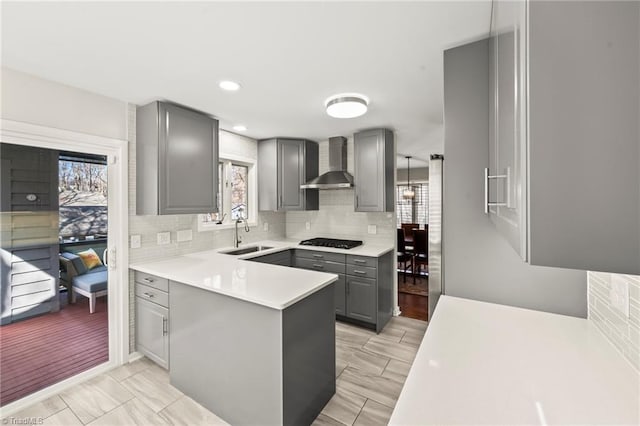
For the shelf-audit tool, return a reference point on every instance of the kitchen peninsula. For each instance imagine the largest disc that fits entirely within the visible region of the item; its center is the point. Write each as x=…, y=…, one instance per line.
x=252, y=342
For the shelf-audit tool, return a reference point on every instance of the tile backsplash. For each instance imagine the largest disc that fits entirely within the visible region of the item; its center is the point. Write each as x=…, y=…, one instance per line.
x=336, y=217
x=622, y=331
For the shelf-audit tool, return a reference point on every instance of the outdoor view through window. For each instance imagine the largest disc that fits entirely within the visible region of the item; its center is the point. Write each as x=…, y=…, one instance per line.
x=233, y=193
x=82, y=189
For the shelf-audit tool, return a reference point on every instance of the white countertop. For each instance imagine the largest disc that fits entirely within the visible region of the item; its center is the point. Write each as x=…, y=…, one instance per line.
x=272, y=286
x=481, y=363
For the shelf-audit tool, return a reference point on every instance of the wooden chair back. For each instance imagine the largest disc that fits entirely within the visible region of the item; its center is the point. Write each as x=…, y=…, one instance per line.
x=420, y=242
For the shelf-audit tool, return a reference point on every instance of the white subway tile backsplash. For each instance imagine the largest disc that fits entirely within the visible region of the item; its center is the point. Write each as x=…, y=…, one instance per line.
x=623, y=332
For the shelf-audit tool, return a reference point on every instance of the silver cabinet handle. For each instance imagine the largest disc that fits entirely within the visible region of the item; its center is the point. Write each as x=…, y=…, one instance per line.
x=316, y=265
x=318, y=256
x=361, y=262
x=148, y=280
x=488, y=203
x=357, y=202
x=164, y=326
x=355, y=271
x=148, y=294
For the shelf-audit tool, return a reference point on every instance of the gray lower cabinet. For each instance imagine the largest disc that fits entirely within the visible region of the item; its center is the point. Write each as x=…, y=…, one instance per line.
x=283, y=165
x=152, y=317
x=374, y=171
x=364, y=290
x=176, y=160
x=282, y=258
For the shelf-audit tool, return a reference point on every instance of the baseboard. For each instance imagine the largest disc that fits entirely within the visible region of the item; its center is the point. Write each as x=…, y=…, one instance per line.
x=134, y=356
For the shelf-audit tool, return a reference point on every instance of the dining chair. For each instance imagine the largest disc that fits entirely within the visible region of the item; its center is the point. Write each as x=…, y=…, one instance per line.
x=403, y=256
x=420, y=252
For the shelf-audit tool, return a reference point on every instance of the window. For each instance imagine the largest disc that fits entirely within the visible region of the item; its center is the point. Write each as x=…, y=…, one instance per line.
x=82, y=192
x=415, y=210
x=236, y=194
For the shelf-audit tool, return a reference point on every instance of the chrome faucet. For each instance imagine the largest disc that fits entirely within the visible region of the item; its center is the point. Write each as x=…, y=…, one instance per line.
x=236, y=238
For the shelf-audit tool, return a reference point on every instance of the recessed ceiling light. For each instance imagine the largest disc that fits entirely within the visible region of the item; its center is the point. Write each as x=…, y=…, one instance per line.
x=229, y=85
x=346, y=105
x=240, y=128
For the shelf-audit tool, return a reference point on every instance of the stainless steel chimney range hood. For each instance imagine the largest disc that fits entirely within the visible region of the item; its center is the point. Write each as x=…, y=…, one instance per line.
x=337, y=177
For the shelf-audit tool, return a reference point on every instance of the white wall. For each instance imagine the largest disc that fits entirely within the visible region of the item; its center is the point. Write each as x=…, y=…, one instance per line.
x=34, y=100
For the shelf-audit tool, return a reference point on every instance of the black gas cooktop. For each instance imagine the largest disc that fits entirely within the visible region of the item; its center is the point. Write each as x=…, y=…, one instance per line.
x=331, y=242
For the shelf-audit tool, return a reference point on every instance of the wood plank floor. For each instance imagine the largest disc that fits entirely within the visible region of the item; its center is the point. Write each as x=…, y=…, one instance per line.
x=413, y=305
x=40, y=351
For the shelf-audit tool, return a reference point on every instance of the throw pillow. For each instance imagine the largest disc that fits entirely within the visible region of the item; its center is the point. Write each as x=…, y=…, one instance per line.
x=90, y=258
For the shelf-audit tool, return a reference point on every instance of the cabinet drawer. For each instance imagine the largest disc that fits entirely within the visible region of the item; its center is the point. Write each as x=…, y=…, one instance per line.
x=320, y=265
x=369, y=262
x=321, y=255
x=152, y=280
x=152, y=294
x=362, y=271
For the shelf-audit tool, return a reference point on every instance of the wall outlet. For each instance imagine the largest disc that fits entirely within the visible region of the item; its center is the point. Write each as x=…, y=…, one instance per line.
x=372, y=229
x=307, y=225
x=136, y=241
x=265, y=226
x=184, y=235
x=619, y=295
x=164, y=238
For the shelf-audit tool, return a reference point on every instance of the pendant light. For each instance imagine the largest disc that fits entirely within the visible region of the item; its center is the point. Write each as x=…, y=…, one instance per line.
x=409, y=193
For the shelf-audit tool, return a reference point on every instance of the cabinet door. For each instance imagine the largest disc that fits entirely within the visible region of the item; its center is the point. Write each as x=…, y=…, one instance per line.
x=152, y=331
x=341, y=295
x=505, y=135
x=369, y=171
x=290, y=174
x=361, y=299
x=188, y=160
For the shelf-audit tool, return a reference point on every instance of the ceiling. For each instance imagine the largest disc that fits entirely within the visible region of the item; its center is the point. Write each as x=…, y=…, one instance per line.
x=288, y=57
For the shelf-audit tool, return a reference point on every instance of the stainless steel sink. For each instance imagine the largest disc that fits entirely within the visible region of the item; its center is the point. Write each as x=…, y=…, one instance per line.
x=245, y=250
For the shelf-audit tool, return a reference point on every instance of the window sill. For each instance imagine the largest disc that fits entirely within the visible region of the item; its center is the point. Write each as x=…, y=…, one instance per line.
x=204, y=227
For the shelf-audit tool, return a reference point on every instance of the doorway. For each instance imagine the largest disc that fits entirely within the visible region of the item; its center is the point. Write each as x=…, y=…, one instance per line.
x=412, y=208
x=52, y=334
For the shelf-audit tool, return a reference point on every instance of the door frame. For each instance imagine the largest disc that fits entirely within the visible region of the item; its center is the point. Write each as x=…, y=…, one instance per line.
x=116, y=150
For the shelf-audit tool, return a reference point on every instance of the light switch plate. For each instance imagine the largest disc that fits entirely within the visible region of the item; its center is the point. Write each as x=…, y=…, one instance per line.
x=265, y=226
x=164, y=238
x=136, y=241
x=307, y=225
x=184, y=235
x=619, y=295
x=372, y=229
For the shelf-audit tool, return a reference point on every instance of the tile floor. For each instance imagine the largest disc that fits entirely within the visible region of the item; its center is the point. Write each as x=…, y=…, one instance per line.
x=370, y=372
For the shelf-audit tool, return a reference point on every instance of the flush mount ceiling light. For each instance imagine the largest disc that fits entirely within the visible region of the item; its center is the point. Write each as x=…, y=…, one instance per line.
x=346, y=105
x=240, y=128
x=229, y=85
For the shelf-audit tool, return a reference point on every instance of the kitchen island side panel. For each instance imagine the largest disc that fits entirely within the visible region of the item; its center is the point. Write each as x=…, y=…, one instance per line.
x=227, y=355
x=309, y=356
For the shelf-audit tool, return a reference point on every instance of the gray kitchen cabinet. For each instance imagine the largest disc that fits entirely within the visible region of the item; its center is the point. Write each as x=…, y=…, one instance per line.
x=176, y=160
x=282, y=258
x=364, y=290
x=283, y=165
x=564, y=132
x=152, y=317
x=361, y=298
x=503, y=180
x=374, y=171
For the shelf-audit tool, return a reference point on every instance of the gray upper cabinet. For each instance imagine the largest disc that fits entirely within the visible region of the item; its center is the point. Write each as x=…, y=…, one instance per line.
x=374, y=171
x=566, y=104
x=283, y=165
x=176, y=160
